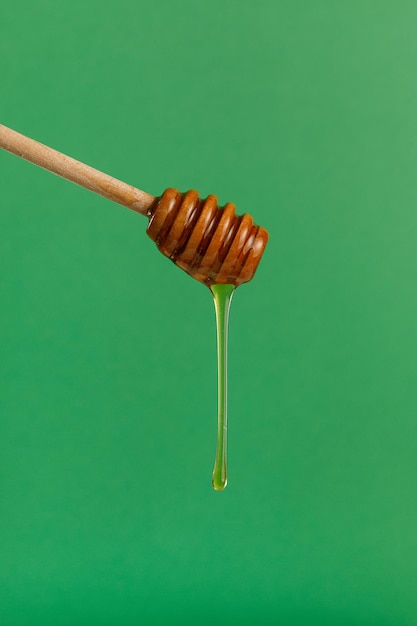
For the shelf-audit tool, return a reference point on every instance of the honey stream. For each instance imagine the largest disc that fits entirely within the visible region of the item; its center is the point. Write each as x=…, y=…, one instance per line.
x=222, y=295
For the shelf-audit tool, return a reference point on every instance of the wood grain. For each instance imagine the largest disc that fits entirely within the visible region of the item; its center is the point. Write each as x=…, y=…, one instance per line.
x=75, y=171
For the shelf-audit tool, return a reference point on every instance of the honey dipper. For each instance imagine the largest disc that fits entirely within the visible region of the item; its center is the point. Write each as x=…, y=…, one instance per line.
x=212, y=244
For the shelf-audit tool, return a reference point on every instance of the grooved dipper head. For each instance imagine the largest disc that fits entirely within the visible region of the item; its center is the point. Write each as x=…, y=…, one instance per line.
x=211, y=243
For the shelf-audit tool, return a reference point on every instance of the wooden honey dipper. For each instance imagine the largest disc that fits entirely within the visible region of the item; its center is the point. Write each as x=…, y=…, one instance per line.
x=212, y=244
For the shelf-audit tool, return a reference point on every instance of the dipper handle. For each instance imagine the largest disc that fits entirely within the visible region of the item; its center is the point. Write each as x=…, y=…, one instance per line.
x=73, y=170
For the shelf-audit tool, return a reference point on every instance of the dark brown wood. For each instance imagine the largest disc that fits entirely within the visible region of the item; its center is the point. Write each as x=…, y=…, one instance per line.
x=212, y=244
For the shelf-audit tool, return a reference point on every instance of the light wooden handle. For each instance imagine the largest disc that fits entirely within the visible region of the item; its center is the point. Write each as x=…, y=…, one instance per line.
x=77, y=172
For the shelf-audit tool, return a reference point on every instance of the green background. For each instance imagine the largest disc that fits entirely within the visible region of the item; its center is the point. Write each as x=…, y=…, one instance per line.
x=304, y=114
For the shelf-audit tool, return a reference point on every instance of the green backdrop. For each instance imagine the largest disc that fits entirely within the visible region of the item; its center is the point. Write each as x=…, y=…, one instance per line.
x=304, y=114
